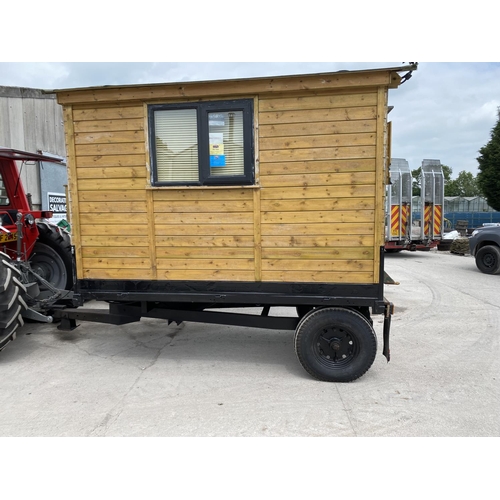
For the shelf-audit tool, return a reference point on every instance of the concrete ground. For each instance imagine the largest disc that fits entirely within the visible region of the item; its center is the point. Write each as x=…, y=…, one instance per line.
x=150, y=379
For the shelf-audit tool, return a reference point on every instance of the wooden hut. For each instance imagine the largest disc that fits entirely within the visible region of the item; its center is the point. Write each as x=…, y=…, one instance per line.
x=297, y=196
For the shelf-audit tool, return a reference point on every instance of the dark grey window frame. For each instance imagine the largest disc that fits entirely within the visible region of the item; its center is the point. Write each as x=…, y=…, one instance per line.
x=203, y=108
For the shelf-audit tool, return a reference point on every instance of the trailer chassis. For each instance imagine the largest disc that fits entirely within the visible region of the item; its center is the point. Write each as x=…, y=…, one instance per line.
x=348, y=325
x=334, y=336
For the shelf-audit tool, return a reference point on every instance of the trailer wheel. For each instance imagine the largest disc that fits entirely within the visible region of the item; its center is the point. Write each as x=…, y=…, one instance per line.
x=12, y=304
x=488, y=259
x=52, y=258
x=335, y=344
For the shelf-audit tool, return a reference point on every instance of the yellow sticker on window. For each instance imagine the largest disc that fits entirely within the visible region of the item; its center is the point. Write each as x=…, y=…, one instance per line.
x=216, y=149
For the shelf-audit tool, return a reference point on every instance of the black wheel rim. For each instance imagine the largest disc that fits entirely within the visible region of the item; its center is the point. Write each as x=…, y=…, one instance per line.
x=489, y=261
x=47, y=263
x=335, y=347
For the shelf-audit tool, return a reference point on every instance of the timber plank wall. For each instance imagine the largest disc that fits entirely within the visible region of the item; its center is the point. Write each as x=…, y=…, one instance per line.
x=315, y=213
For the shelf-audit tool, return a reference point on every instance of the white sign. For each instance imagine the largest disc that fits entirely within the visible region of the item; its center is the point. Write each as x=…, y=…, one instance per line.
x=57, y=204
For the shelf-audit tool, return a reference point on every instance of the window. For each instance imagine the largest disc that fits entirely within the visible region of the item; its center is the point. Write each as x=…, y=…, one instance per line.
x=202, y=143
x=4, y=200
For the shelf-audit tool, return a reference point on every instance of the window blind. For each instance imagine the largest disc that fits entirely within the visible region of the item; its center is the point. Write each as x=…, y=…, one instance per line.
x=176, y=145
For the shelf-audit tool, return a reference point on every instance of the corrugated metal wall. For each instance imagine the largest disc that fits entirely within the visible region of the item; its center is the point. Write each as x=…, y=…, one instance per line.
x=31, y=121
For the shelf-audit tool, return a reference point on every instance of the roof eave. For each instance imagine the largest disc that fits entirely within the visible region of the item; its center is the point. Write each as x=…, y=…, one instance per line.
x=396, y=79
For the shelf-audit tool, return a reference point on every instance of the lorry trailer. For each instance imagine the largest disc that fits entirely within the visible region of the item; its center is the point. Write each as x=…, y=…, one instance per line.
x=408, y=227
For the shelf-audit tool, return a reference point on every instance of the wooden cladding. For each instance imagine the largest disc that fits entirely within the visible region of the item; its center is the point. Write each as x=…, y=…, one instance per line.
x=204, y=234
x=111, y=178
x=315, y=215
x=317, y=172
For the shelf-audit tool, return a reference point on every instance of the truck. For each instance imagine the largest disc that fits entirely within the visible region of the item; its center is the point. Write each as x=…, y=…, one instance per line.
x=36, y=262
x=196, y=201
x=484, y=245
x=409, y=227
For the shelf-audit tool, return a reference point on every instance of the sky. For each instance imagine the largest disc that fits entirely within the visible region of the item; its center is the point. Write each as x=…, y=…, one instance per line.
x=445, y=111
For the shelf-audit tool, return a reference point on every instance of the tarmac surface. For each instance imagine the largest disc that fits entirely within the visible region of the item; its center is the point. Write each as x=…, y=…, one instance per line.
x=151, y=379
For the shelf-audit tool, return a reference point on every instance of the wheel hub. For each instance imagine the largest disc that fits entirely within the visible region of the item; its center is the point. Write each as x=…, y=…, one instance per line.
x=489, y=260
x=335, y=344
x=47, y=263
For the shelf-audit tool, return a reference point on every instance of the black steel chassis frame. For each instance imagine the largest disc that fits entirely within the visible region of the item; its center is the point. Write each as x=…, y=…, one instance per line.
x=178, y=301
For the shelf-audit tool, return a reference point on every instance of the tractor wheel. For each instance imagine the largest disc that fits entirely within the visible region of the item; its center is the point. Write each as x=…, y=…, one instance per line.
x=335, y=344
x=12, y=304
x=52, y=258
x=488, y=259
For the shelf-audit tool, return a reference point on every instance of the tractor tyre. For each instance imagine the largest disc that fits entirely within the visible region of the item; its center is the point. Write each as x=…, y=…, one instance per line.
x=52, y=257
x=12, y=304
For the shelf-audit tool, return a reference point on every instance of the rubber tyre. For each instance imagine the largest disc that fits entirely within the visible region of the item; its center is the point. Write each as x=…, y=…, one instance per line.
x=12, y=304
x=488, y=259
x=52, y=257
x=352, y=337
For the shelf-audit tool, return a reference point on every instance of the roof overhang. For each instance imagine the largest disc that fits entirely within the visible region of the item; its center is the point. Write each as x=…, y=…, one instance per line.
x=15, y=154
x=390, y=77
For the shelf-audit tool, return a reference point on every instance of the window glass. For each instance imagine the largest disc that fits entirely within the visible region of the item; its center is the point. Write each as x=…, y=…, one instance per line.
x=202, y=143
x=176, y=138
x=3, y=193
x=226, y=143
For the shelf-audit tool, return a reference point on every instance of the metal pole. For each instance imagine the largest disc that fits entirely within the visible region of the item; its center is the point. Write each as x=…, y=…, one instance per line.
x=19, y=226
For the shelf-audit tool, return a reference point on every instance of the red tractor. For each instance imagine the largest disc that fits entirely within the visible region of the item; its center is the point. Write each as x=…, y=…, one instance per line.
x=36, y=261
